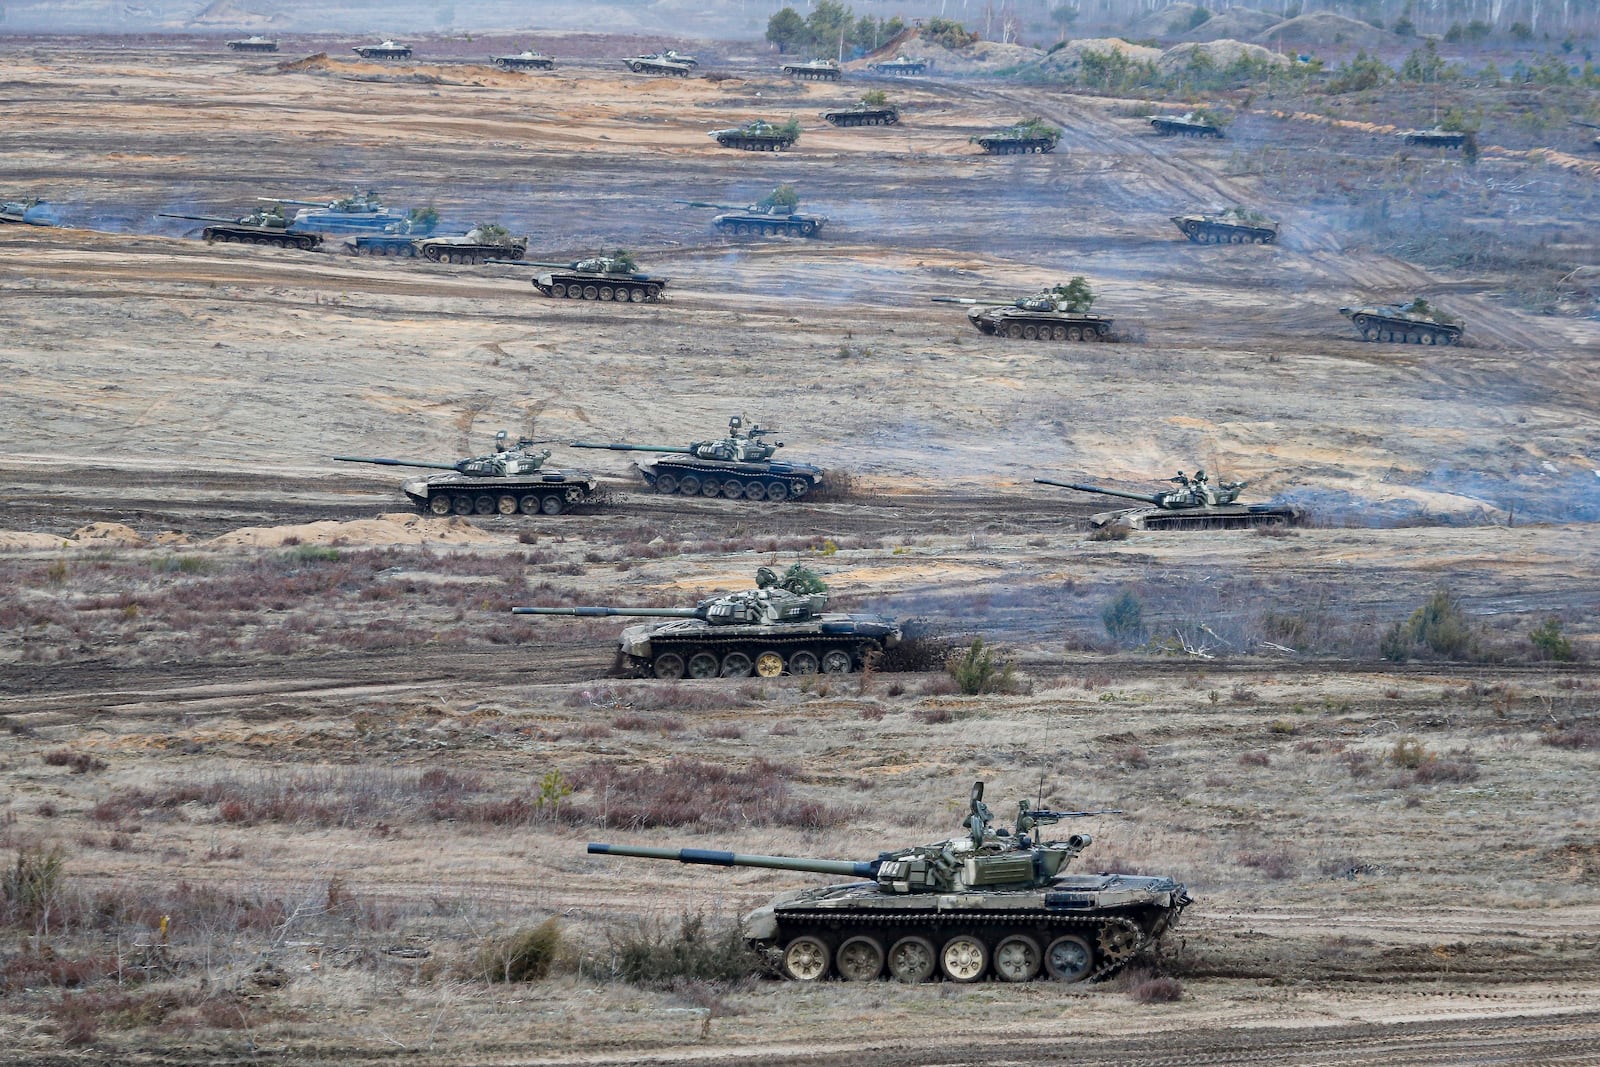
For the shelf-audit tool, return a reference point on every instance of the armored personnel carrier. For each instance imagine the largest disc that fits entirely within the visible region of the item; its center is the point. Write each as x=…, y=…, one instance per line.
x=659, y=64
x=775, y=214
x=900, y=66
x=614, y=277
x=510, y=480
x=1194, y=124
x=525, y=61
x=1233, y=226
x=30, y=212
x=357, y=213
x=759, y=136
x=992, y=901
x=738, y=466
x=1029, y=135
x=1196, y=504
x=261, y=227
x=1060, y=313
x=386, y=50
x=1413, y=323
x=254, y=44
x=873, y=110
x=779, y=627
x=817, y=70
x=1437, y=137
x=480, y=244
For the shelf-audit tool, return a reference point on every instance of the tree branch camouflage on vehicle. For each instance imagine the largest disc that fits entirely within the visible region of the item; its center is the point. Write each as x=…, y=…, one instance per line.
x=738, y=466
x=1196, y=504
x=511, y=480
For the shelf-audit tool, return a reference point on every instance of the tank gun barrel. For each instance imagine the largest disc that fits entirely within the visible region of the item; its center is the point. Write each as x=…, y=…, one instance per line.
x=294, y=203
x=707, y=203
x=593, y=613
x=956, y=300
x=1146, y=498
x=197, y=218
x=619, y=447
x=382, y=462
x=713, y=858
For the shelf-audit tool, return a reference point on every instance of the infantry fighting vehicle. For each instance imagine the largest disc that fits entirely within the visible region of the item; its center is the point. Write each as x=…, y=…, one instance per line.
x=902, y=66
x=737, y=466
x=820, y=70
x=992, y=901
x=1029, y=135
x=1413, y=323
x=30, y=212
x=873, y=110
x=1194, y=124
x=510, y=480
x=779, y=627
x=1060, y=313
x=660, y=64
x=759, y=136
x=386, y=50
x=1196, y=504
x=1437, y=137
x=264, y=226
x=525, y=61
x=614, y=277
x=254, y=44
x=1236, y=225
x=357, y=213
x=481, y=244
x=776, y=213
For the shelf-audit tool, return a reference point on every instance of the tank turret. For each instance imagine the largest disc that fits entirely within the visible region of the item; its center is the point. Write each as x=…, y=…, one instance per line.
x=1197, y=502
x=1059, y=313
x=507, y=459
x=510, y=480
x=918, y=909
x=739, y=465
x=1029, y=135
x=776, y=213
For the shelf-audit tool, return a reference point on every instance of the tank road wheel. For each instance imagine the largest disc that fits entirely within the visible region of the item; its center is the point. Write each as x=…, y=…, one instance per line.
x=461, y=504
x=591, y=292
x=1017, y=959
x=506, y=504
x=636, y=295
x=1059, y=333
x=483, y=504
x=736, y=665
x=710, y=487
x=558, y=290
x=1030, y=332
x=1430, y=338
x=439, y=505
x=528, y=505
x=754, y=490
x=964, y=958
x=666, y=484
x=551, y=505
x=1368, y=333
x=859, y=959
x=703, y=665
x=668, y=666
x=733, y=489
x=911, y=960
x=1014, y=330
x=777, y=492
x=689, y=485
x=805, y=959
x=798, y=488
x=1118, y=942
x=836, y=661
x=1074, y=333
x=1068, y=958
x=803, y=663
x=769, y=664
x=808, y=229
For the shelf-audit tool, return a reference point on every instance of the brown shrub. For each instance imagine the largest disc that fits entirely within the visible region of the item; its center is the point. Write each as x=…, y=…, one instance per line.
x=80, y=762
x=1276, y=864
x=1255, y=759
x=932, y=716
x=1161, y=990
x=1582, y=735
x=687, y=792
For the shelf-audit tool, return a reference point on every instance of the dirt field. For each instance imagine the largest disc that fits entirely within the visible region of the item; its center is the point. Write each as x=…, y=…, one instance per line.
x=244, y=692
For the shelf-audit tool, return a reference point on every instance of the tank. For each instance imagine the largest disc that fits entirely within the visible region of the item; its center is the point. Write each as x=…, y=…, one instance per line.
x=510, y=480
x=1413, y=323
x=614, y=277
x=817, y=70
x=30, y=212
x=992, y=902
x=1196, y=504
x=1233, y=226
x=261, y=227
x=1193, y=124
x=481, y=244
x=739, y=466
x=1059, y=313
x=865, y=113
x=777, y=628
x=775, y=214
x=1030, y=135
x=525, y=61
x=900, y=66
x=759, y=136
x=357, y=213
x=386, y=50
x=1437, y=137
x=658, y=64
x=254, y=44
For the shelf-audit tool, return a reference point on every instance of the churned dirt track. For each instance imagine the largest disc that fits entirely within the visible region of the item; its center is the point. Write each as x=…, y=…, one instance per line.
x=1349, y=911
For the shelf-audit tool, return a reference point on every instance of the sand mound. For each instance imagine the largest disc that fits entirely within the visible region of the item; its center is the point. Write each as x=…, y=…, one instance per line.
x=319, y=61
x=397, y=528
x=1223, y=53
x=21, y=541
x=1325, y=30
x=107, y=532
x=96, y=534
x=1239, y=23
x=1069, y=57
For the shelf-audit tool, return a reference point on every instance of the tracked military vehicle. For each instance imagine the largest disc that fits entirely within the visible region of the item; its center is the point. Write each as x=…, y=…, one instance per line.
x=525, y=61
x=900, y=66
x=865, y=113
x=30, y=212
x=659, y=64
x=253, y=44
x=510, y=480
x=759, y=136
x=776, y=214
x=1060, y=313
x=1437, y=137
x=260, y=227
x=817, y=70
x=779, y=627
x=1196, y=504
x=1193, y=124
x=990, y=902
x=1030, y=135
x=385, y=50
x=614, y=277
x=357, y=213
x=1413, y=323
x=481, y=244
x=1233, y=226
x=739, y=466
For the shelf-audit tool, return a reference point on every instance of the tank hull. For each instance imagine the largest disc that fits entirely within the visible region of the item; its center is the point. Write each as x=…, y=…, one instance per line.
x=253, y=46
x=437, y=250
x=547, y=492
x=863, y=116
x=373, y=51
x=253, y=235
x=658, y=66
x=1021, y=325
x=1013, y=146
x=748, y=224
x=810, y=72
x=384, y=245
x=1221, y=517
x=582, y=285
x=899, y=70
x=1206, y=229
x=754, y=142
x=1400, y=329
x=525, y=63
x=1171, y=127
x=771, y=482
x=829, y=643
x=325, y=221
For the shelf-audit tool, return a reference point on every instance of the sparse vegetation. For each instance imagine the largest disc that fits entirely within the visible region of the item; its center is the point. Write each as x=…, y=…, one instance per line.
x=1440, y=626
x=977, y=670
x=1123, y=619
x=658, y=954
x=523, y=956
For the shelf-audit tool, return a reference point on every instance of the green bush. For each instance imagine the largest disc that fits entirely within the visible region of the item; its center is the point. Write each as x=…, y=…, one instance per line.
x=524, y=956
x=976, y=671
x=1123, y=619
x=31, y=886
x=948, y=32
x=1439, y=626
x=1550, y=642
x=314, y=554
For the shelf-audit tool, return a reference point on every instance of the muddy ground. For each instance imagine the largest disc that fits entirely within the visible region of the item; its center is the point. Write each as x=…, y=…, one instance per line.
x=245, y=692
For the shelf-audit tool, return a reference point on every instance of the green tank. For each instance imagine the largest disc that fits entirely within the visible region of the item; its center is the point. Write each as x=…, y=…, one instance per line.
x=739, y=466
x=900, y=66
x=385, y=50
x=30, y=212
x=1196, y=504
x=1236, y=225
x=776, y=214
x=525, y=60
x=1193, y=124
x=510, y=480
x=1437, y=137
x=1029, y=135
x=481, y=244
x=994, y=901
x=263, y=226
x=668, y=63
x=868, y=112
x=254, y=43
x=614, y=277
x=759, y=136
x=779, y=627
x=1413, y=323
x=1059, y=313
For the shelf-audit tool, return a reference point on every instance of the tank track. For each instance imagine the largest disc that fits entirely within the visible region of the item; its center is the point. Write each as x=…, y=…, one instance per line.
x=305, y=242
x=768, y=227
x=548, y=498
x=753, y=650
x=1046, y=328
x=1202, y=233
x=1016, y=146
x=1400, y=331
x=1116, y=939
x=755, y=144
x=813, y=73
x=712, y=481
x=620, y=290
x=862, y=118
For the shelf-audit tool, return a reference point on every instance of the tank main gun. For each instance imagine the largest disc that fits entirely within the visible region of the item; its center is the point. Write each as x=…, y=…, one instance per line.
x=270, y=220
x=1150, y=498
x=713, y=858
